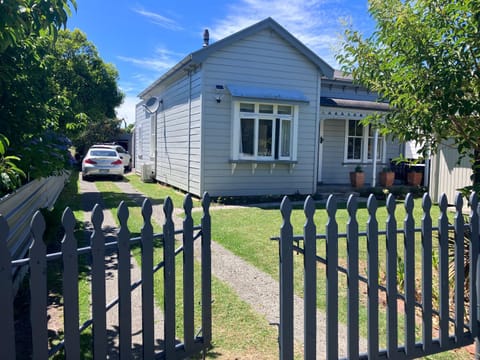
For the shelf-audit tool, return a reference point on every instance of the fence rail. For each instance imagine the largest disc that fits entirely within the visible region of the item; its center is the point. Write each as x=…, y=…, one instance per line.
x=401, y=342
x=37, y=263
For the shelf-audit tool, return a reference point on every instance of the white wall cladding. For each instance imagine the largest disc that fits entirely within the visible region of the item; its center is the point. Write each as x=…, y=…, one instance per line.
x=262, y=60
x=178, y=134
x=335, y=170
x=446, y=176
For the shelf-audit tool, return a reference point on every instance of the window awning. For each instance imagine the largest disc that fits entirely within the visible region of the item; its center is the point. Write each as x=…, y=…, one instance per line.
x=353, y=104
x=254, y=92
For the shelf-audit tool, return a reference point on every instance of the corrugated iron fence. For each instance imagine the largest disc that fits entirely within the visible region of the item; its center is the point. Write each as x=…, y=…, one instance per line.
x=37, y=263
x=19, y=207
x=440, y=312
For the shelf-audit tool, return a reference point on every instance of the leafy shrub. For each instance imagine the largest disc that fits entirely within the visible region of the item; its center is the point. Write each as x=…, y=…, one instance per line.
x=10, y=175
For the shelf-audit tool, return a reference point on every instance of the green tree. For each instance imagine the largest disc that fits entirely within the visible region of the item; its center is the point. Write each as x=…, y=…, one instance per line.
x=85, y=85
x=22, y=19
x=424, y=58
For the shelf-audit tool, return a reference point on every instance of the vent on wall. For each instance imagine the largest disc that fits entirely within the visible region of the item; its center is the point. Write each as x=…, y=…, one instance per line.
x=146, y=173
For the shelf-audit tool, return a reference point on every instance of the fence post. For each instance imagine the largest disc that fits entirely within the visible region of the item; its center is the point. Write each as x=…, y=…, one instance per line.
x=427, y=273
x=169, y=278
x=353, y=293
x=70, y=287
x=99, y=316
x=286, y=282
x=391, y=247
x=148, y=332
x=459, y=227
x=409, y=255
x=188, y=270
x=443, y=269
x=7, y=340
x=38, y=288
x=332, y=279
x=473, y=249
x=310, y=282
x=372, y=249
x=206, y=272
x=124, y=283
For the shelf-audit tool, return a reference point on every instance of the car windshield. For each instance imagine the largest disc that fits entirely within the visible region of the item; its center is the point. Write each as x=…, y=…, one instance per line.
x=108, y=153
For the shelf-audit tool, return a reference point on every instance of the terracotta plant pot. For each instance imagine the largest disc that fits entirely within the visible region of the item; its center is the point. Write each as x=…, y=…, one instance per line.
x=386, y=178
x=357, y=179
x=414, y=178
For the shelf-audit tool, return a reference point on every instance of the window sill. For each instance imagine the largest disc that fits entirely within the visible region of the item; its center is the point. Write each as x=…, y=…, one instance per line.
x=255, y=162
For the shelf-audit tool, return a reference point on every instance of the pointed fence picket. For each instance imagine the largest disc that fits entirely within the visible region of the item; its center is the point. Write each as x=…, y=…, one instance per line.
x=401, y=342
x=37, y=264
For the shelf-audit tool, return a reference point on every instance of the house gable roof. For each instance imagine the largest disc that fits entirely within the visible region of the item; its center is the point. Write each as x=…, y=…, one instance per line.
x=199, y=56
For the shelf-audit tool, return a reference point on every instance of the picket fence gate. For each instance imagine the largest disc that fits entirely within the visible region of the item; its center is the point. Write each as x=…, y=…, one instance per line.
x=453, y=332
x=37, y=263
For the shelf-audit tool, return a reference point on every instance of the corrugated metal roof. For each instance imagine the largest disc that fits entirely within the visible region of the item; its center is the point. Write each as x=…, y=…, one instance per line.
x=255, y=92
x=354, y=104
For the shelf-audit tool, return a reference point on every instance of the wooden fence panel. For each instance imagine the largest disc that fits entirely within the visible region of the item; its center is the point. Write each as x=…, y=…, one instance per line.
x=148, y=320
x=188, y=272
x=37, y=263
x=286, y=282
x=70, y=287
x=464, y=334
x=99, y=316
x=332, y=279
x=169, y=278
x=459, y=228
x=353, y=279
x=474, y=265
x=427, y=278
x=206, y=270
x=310, y=273
x=38, y=289
x=372, y=260
x=443, y=270
x=124, y=281
x=391, y=268
x=409, y=262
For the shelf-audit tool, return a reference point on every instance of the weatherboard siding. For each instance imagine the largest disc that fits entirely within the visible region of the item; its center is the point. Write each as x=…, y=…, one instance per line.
x=335, y=170
x=142, y=137
x=262, y=60
x=178, y=133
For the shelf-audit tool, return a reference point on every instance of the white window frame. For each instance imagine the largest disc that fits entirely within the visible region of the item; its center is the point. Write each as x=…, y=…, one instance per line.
x=381, y=145
x=257, y=116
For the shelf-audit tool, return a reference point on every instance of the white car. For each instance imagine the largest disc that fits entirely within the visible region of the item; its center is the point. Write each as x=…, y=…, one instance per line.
x=102, y=162
x=124, y=155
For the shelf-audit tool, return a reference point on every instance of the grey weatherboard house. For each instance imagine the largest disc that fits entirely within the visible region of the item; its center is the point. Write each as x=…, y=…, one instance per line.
x=256, y=113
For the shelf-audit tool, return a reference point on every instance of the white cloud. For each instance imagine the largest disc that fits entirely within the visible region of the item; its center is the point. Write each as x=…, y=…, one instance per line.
x=162, y=61
x=313, y=22
x=127, y=109
x=159, y=20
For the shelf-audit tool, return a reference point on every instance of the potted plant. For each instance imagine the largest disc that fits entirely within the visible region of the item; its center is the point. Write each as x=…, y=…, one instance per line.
x=414, y=177
x=386, y=177
x=357, y=177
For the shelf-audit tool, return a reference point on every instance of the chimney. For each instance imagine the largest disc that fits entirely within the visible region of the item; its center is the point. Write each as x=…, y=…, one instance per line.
x=206, y=38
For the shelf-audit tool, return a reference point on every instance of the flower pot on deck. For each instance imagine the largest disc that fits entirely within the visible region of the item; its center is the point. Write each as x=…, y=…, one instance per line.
x=357, y=179
x=386, y=178
x=414, y=178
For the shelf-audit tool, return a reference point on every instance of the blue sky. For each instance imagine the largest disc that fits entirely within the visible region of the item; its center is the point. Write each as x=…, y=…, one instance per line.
x=143, y=39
